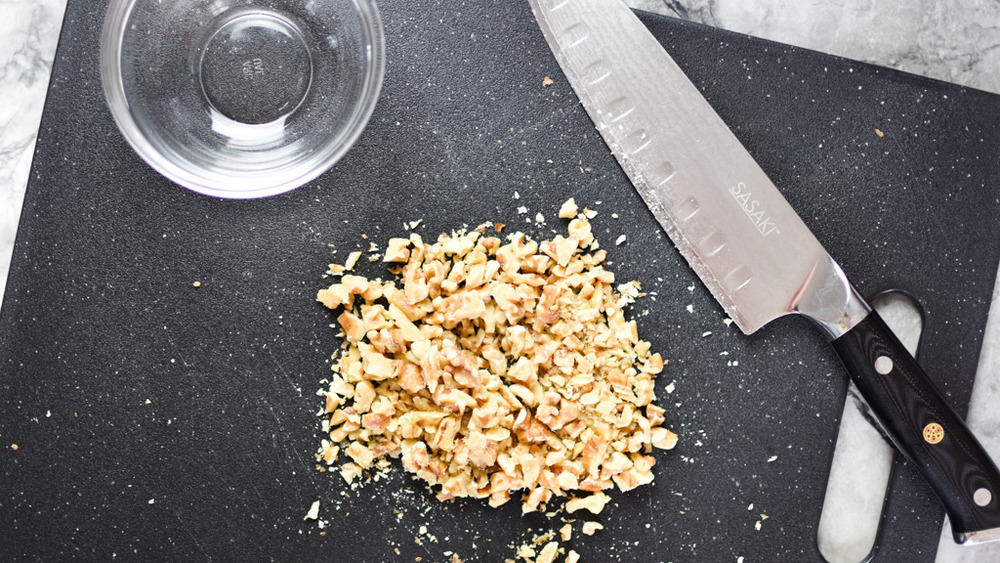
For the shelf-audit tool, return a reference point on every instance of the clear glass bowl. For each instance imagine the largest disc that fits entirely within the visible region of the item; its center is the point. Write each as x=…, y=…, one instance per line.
x=242, y=98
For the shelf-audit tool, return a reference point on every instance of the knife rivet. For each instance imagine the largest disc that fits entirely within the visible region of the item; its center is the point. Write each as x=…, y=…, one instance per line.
x=883, y=365
x=933, y=433
x=982, y=496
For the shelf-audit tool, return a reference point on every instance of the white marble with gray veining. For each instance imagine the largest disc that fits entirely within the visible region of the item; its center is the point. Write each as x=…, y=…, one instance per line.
x=952, y=40
x=30, y=31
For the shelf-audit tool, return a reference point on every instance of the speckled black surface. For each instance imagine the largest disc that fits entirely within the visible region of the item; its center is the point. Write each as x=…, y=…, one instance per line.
x=159, y=421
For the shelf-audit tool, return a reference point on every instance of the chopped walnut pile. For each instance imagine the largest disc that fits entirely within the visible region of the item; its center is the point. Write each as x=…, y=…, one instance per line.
x=492, y=366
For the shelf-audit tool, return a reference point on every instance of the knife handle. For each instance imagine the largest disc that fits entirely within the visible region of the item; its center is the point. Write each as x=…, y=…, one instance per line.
x=924, y=428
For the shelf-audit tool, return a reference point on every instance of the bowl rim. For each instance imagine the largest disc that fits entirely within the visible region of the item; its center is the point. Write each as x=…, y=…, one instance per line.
x=213, y=183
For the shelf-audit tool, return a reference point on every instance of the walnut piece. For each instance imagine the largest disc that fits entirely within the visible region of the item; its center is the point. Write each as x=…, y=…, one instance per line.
x=594, y=503
x=548, y=553
x=568, y=209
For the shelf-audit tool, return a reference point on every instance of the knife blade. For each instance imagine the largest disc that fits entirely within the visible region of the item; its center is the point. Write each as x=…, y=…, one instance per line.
x=749, y=246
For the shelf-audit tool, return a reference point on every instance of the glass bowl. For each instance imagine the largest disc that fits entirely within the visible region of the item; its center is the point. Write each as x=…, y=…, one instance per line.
x=242, y=98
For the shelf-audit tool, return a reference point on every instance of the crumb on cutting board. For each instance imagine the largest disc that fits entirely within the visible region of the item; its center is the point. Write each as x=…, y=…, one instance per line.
x=313, y=513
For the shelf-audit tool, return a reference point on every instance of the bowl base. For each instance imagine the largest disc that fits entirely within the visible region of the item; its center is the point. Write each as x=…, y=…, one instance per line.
x=255, y=68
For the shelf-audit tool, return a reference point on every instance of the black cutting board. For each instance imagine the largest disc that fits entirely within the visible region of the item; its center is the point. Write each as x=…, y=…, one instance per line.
x=156, y=420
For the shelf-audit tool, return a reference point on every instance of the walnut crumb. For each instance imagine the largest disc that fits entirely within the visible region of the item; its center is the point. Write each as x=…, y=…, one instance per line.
x=594, y=503
x=313, y=513
x=568, y=209
x=548, y=553
x=352, y=259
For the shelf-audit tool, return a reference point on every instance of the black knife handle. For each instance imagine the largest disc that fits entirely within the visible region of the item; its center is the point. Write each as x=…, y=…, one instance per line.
x=924, y=428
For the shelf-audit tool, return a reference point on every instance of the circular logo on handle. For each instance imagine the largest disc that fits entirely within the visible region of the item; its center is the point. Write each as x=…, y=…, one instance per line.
x=933, y=433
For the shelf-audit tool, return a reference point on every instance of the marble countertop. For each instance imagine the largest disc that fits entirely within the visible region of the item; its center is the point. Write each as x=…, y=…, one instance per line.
x=952, y=40
x=31, y=32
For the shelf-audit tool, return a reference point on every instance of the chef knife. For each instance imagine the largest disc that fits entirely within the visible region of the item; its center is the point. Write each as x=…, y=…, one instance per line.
x=748, y=245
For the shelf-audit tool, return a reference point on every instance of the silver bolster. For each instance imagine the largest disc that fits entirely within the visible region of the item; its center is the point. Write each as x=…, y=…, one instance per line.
x=829, y=299
x=980, y=537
